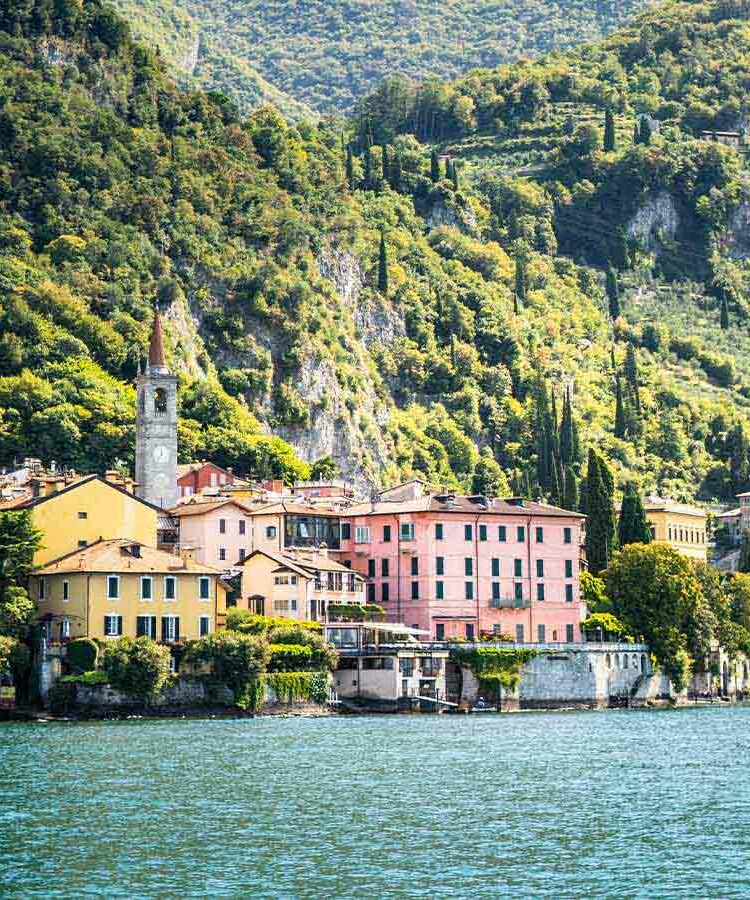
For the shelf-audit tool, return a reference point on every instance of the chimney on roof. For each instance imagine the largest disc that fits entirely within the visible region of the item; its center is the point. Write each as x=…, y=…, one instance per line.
x=323, y=550
x=187, y=553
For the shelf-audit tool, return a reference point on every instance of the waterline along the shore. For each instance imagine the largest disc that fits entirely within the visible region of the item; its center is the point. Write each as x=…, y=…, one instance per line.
x=596, y=804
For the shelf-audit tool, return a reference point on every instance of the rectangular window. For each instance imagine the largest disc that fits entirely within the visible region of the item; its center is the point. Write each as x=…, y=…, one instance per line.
x=145, y=626
x=567, y=535
x=370, y=568
x=385, y=592
x=362, y=534
x=147, y=588
x=415, y=590
x=242, y=554
x=83, y=515
x=469, y=631
x=439, y=533
x=539, y=535
x=468, y=565
x=439, y=632
x=371, y=592
x=242, y=526
x=482, y=532
x=569, y=634
x=495, y=568
x=467, y=532
x=170, y=629
x=540, y=592
x=439, y=590
x=495, y=590
x=204, y=587
x=415, y=565
x=66, y=591
x=568, y=593
x=222, y=553
x=204, y=626
x=407, y=531
x=540, y=633
x=540, y=568
x=346, y=531
x=386, y=534
x=113, y=587
x=518, y=592
x=518, y=568
x=385, y=568
x=568, y=568
x=519, y=633
x=82, y=544
x=502, y=533
x=271, y=532
x=469, y=590
x=170, y=587
x=112, y=626
x=222, y=526
x=520, y=534
x=42, y=589
x=440, y=565
x=65, y=629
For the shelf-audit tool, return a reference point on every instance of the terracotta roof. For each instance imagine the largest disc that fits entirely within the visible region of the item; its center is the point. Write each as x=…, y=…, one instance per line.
x=116, y=556
x=156, y=346
x=303, y=564
x=463, y=505
x=201, y=508
x=660, y=504
x=729, y=514
x=299, y=509
x=32, y=502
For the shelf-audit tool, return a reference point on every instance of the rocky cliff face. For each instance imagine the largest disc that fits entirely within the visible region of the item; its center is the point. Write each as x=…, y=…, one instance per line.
x=657, y=218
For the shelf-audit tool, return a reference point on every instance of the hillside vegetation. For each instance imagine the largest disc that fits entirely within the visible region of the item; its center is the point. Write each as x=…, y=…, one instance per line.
x=404, y=317
x=325, y=55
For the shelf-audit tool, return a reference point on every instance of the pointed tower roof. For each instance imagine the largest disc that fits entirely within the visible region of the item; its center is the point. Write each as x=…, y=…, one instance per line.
x=156, y=361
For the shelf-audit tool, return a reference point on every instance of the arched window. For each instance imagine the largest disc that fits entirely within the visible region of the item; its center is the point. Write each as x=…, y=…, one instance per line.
x=643, y=662
x=617, y=661
x=609, y=661
x=635, y=660
x=624, y=660
x=160, y=401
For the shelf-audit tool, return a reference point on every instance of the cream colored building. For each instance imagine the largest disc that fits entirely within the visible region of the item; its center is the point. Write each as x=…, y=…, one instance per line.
x=678, y=524
x=118, y=588
x=297, y=585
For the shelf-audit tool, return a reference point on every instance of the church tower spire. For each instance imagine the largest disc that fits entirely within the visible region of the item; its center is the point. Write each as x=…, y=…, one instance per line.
x=156, y=426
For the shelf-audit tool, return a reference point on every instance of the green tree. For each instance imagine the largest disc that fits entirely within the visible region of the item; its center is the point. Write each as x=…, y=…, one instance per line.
x=383, y=266
x=454, y=176
x=324, y=469
x=350, y=167
x=138, y=667
x=434, y=166
x=743, y=564
x=236, y=659
x=636, y=133
x=645, y=133
x=488, y=479
x=395, y=180
x=724, y=321
x=570, y=490
x=599, y=509
x=521, y=282
x=620, y=420
x=613, y=293
x=633, y=526
x=384, y=163
x=19, y=541
x=631, y=376
x=610, y=139
x=654, y=590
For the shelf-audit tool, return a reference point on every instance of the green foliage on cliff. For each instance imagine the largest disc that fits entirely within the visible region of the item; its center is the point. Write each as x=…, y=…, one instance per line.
x=494, y=666
x=328, y=54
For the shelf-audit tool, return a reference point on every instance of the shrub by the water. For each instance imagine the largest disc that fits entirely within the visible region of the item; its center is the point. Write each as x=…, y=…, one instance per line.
x=138, y=667
x=82, y=654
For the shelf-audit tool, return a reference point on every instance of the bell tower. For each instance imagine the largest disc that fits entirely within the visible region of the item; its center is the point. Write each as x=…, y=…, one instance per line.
x=156, y=426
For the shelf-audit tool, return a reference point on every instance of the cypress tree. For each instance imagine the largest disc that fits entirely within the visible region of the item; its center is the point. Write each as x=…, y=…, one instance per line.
x=633, y=527
x=636, y=133
x=555, y=490
x=434, y=166
x=743, y=564
x=385, y=164
x=396, y=173
x=724, y=311
x=454, y=176
x=383, y=267
x=621, y=252
x=613, y=293
x=350, y=167
x=620, y=421
x=645, y=131
x=631, y=375
x=570, y=490
x=610, y=139
x=367, y=179
x=600, y=525
x=521, y=282
x=567, y=441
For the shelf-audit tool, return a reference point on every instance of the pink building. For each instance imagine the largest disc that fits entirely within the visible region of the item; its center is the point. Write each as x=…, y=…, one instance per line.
x=459, y=566
x=220, y=532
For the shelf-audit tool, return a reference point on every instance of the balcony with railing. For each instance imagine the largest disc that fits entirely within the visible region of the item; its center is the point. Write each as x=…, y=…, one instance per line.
x=510, y=603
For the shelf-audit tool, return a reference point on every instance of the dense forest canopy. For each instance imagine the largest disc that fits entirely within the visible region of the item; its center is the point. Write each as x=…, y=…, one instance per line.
x=473, y=281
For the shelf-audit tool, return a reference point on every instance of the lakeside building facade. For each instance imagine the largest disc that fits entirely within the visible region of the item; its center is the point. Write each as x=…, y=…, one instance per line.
x=680, y=525
x=116, y=588
x=192, y=478
x=457, y=567
x=298, y=585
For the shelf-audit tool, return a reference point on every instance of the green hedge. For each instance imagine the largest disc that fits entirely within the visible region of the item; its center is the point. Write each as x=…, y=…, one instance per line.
x=82, y=654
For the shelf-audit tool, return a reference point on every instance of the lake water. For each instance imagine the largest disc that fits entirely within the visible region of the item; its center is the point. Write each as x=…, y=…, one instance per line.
x=601, y=804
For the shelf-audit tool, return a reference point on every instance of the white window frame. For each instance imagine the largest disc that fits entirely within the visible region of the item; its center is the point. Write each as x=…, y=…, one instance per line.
x=271, y=532
x=66, y=591
x=207, y=619
x=406, y=531
x=154, y=625
x=362, y=534
x=112, y=617
x=166, y=598
x=222, y=554
x=65, y=628
x=204, y=579
x=116, y=579
x=41, y=593
x=151, y=580
x=171, y=630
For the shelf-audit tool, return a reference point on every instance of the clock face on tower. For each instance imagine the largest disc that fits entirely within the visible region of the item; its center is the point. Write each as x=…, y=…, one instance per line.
x=161, y=453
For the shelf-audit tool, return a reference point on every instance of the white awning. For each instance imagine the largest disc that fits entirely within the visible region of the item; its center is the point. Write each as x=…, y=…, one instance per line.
x=393, y=627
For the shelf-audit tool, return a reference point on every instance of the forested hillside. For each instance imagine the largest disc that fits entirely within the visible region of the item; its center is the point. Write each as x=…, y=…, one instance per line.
x=325, y=55
x=355, y=296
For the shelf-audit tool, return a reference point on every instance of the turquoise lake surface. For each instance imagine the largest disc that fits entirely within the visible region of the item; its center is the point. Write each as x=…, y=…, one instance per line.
x=601, y=804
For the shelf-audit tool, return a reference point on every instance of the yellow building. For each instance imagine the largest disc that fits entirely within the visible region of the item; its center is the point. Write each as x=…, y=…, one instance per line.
x=71, y=516
x=677, y=524
x=119, y=588
x=297, y=585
